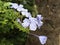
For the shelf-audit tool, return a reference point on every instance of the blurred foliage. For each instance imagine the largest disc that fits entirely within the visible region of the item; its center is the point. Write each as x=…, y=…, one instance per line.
x=8, y=19
x=11, y=32
x=28, y=4
x=13, y=38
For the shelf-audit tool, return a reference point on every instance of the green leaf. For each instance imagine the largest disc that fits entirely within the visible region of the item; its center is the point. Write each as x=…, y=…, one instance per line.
x=20, y=27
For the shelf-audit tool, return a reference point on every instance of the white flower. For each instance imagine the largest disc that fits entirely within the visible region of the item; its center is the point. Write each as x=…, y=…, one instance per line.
x=43, y=39
x=14, y=5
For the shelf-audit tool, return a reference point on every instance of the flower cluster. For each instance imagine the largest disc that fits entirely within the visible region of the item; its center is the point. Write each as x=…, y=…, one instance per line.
x=29, y=22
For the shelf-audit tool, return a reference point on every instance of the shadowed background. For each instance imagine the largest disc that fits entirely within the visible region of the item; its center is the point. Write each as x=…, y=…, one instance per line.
x=50, y=10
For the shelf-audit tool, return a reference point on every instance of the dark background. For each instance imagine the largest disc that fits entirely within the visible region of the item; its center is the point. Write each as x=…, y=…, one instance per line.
x=50, y=10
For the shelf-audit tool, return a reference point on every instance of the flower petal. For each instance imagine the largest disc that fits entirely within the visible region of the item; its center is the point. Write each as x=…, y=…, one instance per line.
x=25, y=23
x=33, y=26
x=24, y=10
x=39, y=17
x=33, y=20
x=43, y=39
x=20, y=9
x=27, y=14
x=39, y=24
x=21, y=5
x=14, y=5
x=26, y=20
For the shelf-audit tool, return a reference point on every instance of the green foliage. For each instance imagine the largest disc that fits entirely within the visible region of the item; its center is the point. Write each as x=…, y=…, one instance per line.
x=28, y=4
x=8, y=19
x=11, y=32
x=13, y=38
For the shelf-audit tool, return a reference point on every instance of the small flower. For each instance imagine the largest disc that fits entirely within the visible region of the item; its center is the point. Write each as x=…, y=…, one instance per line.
x=31, y=23
x=24, y=10
x=40, y=23
x=21, y=5
x=14, y=5
x=26, y=23
x=33, y=26
x=39, y=17
x=43, y=39
x=27, y=14
x=20, y=8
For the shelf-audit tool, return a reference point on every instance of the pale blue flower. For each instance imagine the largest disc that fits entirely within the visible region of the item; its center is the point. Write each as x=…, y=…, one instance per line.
x=26, y=23
x=43, y=39
x=39, y=17
x=14, y=5
x=33, y=26
x=21, y=5
x=27, y=14
x=32, y=19
x=40, y=23
x=20, y=8
x=31, y=23
x=25, y=10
